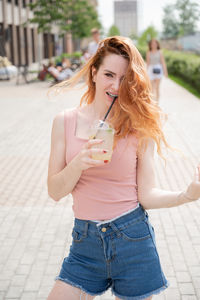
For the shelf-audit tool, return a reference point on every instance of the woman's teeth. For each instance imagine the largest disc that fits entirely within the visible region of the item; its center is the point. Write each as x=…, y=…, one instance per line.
x=111, y=95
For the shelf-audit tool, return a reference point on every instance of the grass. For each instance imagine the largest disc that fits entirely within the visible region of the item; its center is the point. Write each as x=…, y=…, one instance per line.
x=185, y=85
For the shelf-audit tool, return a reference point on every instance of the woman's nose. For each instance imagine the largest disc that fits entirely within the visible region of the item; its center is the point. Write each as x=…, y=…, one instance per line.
x=115, y=85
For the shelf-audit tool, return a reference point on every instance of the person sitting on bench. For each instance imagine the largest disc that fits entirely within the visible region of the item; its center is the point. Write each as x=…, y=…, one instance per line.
x=60, y=73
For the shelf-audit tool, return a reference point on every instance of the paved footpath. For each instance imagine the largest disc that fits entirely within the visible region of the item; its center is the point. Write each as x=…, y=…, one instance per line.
x=35, y=232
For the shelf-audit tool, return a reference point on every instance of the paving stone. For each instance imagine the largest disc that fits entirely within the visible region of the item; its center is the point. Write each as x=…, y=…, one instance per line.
x=32, y=284
x=172, y=294
x=14, y=292
x=4, y=284
x=186, y=289
x=23, y=269
x=196, y=282
x=18, y=280
x=29, y=296
x=183, y=277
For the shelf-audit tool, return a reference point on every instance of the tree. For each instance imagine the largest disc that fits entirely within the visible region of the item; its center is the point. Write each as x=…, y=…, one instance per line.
x=189, y=14
x=147, y=35
x=180, y=19
x=170, y=22
x=114, y=30
x=133, y=35
x=74, y=16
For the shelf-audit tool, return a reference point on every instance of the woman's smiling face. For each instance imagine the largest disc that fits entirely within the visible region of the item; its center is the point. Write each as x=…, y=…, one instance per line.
x=109, y=77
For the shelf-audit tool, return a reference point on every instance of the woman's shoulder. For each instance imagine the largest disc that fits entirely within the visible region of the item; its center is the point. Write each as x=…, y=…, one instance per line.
x=60, y=118
x=66, y=114
x=70, y=111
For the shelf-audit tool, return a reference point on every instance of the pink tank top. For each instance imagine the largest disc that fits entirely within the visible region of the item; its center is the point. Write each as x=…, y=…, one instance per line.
x=103, y=192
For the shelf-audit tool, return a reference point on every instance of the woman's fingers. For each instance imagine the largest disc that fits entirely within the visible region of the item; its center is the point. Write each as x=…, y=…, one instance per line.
x=87, y=155
x=93, y=162
x=92, y=151
x=92, y=142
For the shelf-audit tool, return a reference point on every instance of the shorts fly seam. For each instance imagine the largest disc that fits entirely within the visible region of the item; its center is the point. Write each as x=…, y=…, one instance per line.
x=108, y=268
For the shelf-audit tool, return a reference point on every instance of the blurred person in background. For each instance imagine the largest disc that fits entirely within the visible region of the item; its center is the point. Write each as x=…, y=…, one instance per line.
x=93, y=46
x=156, y=67
x=85, y=56
x=61, y=72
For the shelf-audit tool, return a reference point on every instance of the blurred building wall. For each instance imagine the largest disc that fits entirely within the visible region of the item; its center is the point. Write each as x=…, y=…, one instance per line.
x=126, y=16
x=190, y=42
x=22, y=44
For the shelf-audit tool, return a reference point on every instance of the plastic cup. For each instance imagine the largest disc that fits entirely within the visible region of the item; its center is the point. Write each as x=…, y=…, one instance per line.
x=103, y=131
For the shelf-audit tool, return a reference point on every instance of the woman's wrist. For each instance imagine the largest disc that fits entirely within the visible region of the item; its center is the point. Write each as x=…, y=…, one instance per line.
x=75, y=165
x=184, y=198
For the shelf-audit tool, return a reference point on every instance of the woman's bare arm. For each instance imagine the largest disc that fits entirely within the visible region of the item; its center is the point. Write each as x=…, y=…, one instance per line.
x=62, y=178
x=163, y=64
x=151, y=197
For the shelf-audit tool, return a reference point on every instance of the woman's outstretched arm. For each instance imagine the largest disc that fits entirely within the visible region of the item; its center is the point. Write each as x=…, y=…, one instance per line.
x=151, y=197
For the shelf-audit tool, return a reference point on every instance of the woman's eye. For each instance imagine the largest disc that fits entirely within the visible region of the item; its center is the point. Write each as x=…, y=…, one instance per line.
x=108, y=74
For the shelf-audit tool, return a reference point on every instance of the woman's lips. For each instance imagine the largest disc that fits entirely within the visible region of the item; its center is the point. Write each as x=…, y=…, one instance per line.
x=111, y=96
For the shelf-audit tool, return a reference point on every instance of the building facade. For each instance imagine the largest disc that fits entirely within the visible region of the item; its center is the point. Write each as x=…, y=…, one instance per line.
x=20, y=41
x=126, y=16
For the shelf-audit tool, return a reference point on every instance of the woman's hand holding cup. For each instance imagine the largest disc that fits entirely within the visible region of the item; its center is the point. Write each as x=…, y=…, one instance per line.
x=83, y=160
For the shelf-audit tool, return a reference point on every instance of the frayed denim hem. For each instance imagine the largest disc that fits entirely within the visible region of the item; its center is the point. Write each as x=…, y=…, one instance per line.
x=156, y=292
x=80, y=287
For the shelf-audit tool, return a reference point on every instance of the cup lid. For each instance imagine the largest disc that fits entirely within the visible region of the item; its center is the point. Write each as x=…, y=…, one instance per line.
x=100, y=124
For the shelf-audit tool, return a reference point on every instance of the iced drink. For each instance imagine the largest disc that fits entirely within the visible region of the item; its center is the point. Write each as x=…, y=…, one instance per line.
x=101, y=130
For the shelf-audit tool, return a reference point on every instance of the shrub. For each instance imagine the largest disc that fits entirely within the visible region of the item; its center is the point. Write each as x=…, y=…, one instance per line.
x=142, y=50
x=184, y=65
x=74, y=55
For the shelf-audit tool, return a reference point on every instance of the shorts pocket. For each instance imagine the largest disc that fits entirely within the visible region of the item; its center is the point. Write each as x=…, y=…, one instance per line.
x=136, y=232
x=78, y=235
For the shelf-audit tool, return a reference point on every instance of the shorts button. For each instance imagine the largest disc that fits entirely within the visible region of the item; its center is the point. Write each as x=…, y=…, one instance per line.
x=103, y=229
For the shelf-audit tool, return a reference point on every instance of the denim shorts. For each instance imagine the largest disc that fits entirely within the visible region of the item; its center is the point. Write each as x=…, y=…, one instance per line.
x=119, y=254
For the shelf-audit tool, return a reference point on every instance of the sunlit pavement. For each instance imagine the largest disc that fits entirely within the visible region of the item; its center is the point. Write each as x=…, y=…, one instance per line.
x=35, y=232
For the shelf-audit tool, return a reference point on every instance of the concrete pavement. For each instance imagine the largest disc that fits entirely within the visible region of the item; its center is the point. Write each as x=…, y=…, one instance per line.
x=35, y=232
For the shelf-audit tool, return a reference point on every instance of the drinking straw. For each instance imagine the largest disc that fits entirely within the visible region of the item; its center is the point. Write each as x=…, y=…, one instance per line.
x=114, y=98
x=101, y=124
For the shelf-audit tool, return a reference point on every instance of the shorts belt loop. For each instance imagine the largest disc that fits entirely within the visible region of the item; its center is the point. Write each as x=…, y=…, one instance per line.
x=86, y=228
x=115, y=229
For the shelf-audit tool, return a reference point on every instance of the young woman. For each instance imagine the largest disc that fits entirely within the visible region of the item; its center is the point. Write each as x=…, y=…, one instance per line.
x=156, y=67
x=113, y=241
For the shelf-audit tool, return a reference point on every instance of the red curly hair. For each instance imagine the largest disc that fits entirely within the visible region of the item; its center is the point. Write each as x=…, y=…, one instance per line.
x=135, y=112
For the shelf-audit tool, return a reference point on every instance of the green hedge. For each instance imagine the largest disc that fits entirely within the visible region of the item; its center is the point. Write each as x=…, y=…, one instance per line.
x=185, y=66
x=74, y=55
x=181, y=64
x=142, y=50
